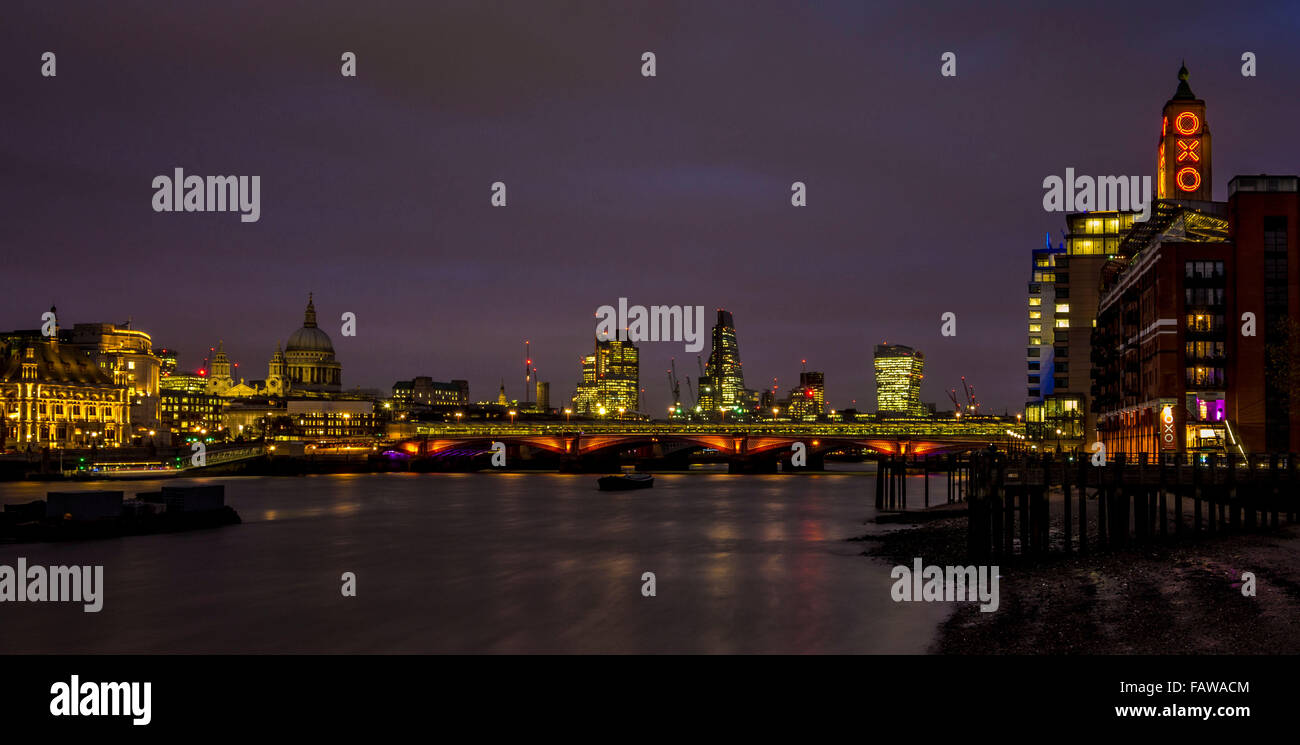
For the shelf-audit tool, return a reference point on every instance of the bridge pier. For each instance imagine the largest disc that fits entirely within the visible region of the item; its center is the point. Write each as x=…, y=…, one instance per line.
x=750, y=464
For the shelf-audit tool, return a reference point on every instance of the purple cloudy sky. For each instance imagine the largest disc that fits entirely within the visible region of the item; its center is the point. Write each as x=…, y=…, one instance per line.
x=925, y=193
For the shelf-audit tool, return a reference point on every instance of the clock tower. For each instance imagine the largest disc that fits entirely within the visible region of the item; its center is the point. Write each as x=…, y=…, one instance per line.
x=1184, y=152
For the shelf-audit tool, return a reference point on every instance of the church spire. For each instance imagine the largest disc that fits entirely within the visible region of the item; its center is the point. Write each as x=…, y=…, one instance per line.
x=309, y=321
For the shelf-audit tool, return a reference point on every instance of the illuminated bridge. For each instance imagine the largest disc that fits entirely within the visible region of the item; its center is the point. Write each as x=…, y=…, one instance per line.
x=733, y=442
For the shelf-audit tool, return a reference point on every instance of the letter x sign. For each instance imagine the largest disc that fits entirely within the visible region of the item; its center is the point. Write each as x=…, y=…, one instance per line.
x=1187, y=150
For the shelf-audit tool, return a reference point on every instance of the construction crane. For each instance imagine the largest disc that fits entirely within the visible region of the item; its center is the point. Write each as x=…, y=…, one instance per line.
x=691, y=390
x=674, y=385
x=971, y=405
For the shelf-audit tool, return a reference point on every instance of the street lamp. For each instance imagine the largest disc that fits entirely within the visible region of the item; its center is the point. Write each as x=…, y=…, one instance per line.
x=621, y=409
x=567, y=412
x=459, y=414
x=512, y=413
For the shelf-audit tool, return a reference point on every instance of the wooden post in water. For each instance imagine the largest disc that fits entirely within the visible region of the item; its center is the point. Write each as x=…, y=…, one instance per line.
x=1211, y=496
x=1065, y=493
x=1273, y=490
x=1081, y=463
x=1178, y=494
x=926, y=472
x=1164, y=498
x=1196, y=496
x=880, y=483
x=902, y=482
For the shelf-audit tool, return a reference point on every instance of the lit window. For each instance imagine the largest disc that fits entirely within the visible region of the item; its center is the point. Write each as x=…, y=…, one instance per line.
x=1035, y=314
x=1035, y=301
x=1062, y=323
x=1062, y=307
x=1035, y=328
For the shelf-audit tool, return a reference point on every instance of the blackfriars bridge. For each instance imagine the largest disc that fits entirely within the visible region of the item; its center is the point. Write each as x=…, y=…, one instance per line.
x=765, y=442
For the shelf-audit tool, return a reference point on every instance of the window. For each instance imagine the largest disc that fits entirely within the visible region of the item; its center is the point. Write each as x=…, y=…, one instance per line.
x=1033, y=379
x=1032, y=352
x=1062, y=323
x=1062, y=352
x=1063, y=293
x=1034, y=365
x=1063, y=278
x=1035, y=314
x=1035, y=328
x=1062, y=307
x=1034, y=302
x=1063, y=367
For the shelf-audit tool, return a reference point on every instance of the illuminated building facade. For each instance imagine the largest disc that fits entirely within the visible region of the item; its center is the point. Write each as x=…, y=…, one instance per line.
x=1096, y=242
x=610, y=380
x=1040, y=355
x=1178, y=369
x=808, y=401
x=167, y=361
x=127, y=355
x=899, y=371
x=54, y=396
x=543, y=396
x=194, y=415
x=425, y=392
x=331, y=419
x=723, y=385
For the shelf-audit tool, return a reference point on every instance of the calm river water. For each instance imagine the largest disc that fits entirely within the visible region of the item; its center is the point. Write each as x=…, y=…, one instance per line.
x=489, y=563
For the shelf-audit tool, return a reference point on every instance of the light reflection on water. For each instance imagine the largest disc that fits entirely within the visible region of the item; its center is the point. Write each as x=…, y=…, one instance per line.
x=490, y=562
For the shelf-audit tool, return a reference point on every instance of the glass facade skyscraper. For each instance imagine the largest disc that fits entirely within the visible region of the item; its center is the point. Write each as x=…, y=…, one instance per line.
x=899, y=370
x=722, y=389
x=610, y=379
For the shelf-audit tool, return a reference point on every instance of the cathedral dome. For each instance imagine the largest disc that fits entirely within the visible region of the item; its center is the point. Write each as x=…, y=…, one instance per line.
x=309, y=338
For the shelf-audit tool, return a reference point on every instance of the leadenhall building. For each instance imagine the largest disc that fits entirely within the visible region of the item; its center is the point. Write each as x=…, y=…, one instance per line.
x=1196, y=347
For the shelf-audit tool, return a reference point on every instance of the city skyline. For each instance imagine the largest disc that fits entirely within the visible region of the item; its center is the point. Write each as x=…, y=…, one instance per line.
x=376, y=193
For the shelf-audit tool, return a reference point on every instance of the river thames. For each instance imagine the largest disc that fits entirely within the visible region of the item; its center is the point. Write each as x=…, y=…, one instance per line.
x=491, y=562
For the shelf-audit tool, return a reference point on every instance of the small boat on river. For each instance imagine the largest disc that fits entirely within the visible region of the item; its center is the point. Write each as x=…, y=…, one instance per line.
x=626, y=482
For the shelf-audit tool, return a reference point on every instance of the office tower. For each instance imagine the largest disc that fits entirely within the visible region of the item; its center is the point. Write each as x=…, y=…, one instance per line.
x=543, y=396
x=808, y=401
x=722, y=388
x=899, y=371
x=610, y=380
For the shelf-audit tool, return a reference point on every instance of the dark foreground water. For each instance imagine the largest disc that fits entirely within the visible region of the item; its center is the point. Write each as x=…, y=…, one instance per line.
x=489, y=562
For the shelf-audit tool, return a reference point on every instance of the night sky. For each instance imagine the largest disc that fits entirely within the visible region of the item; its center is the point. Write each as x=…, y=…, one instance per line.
x=924, y=192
